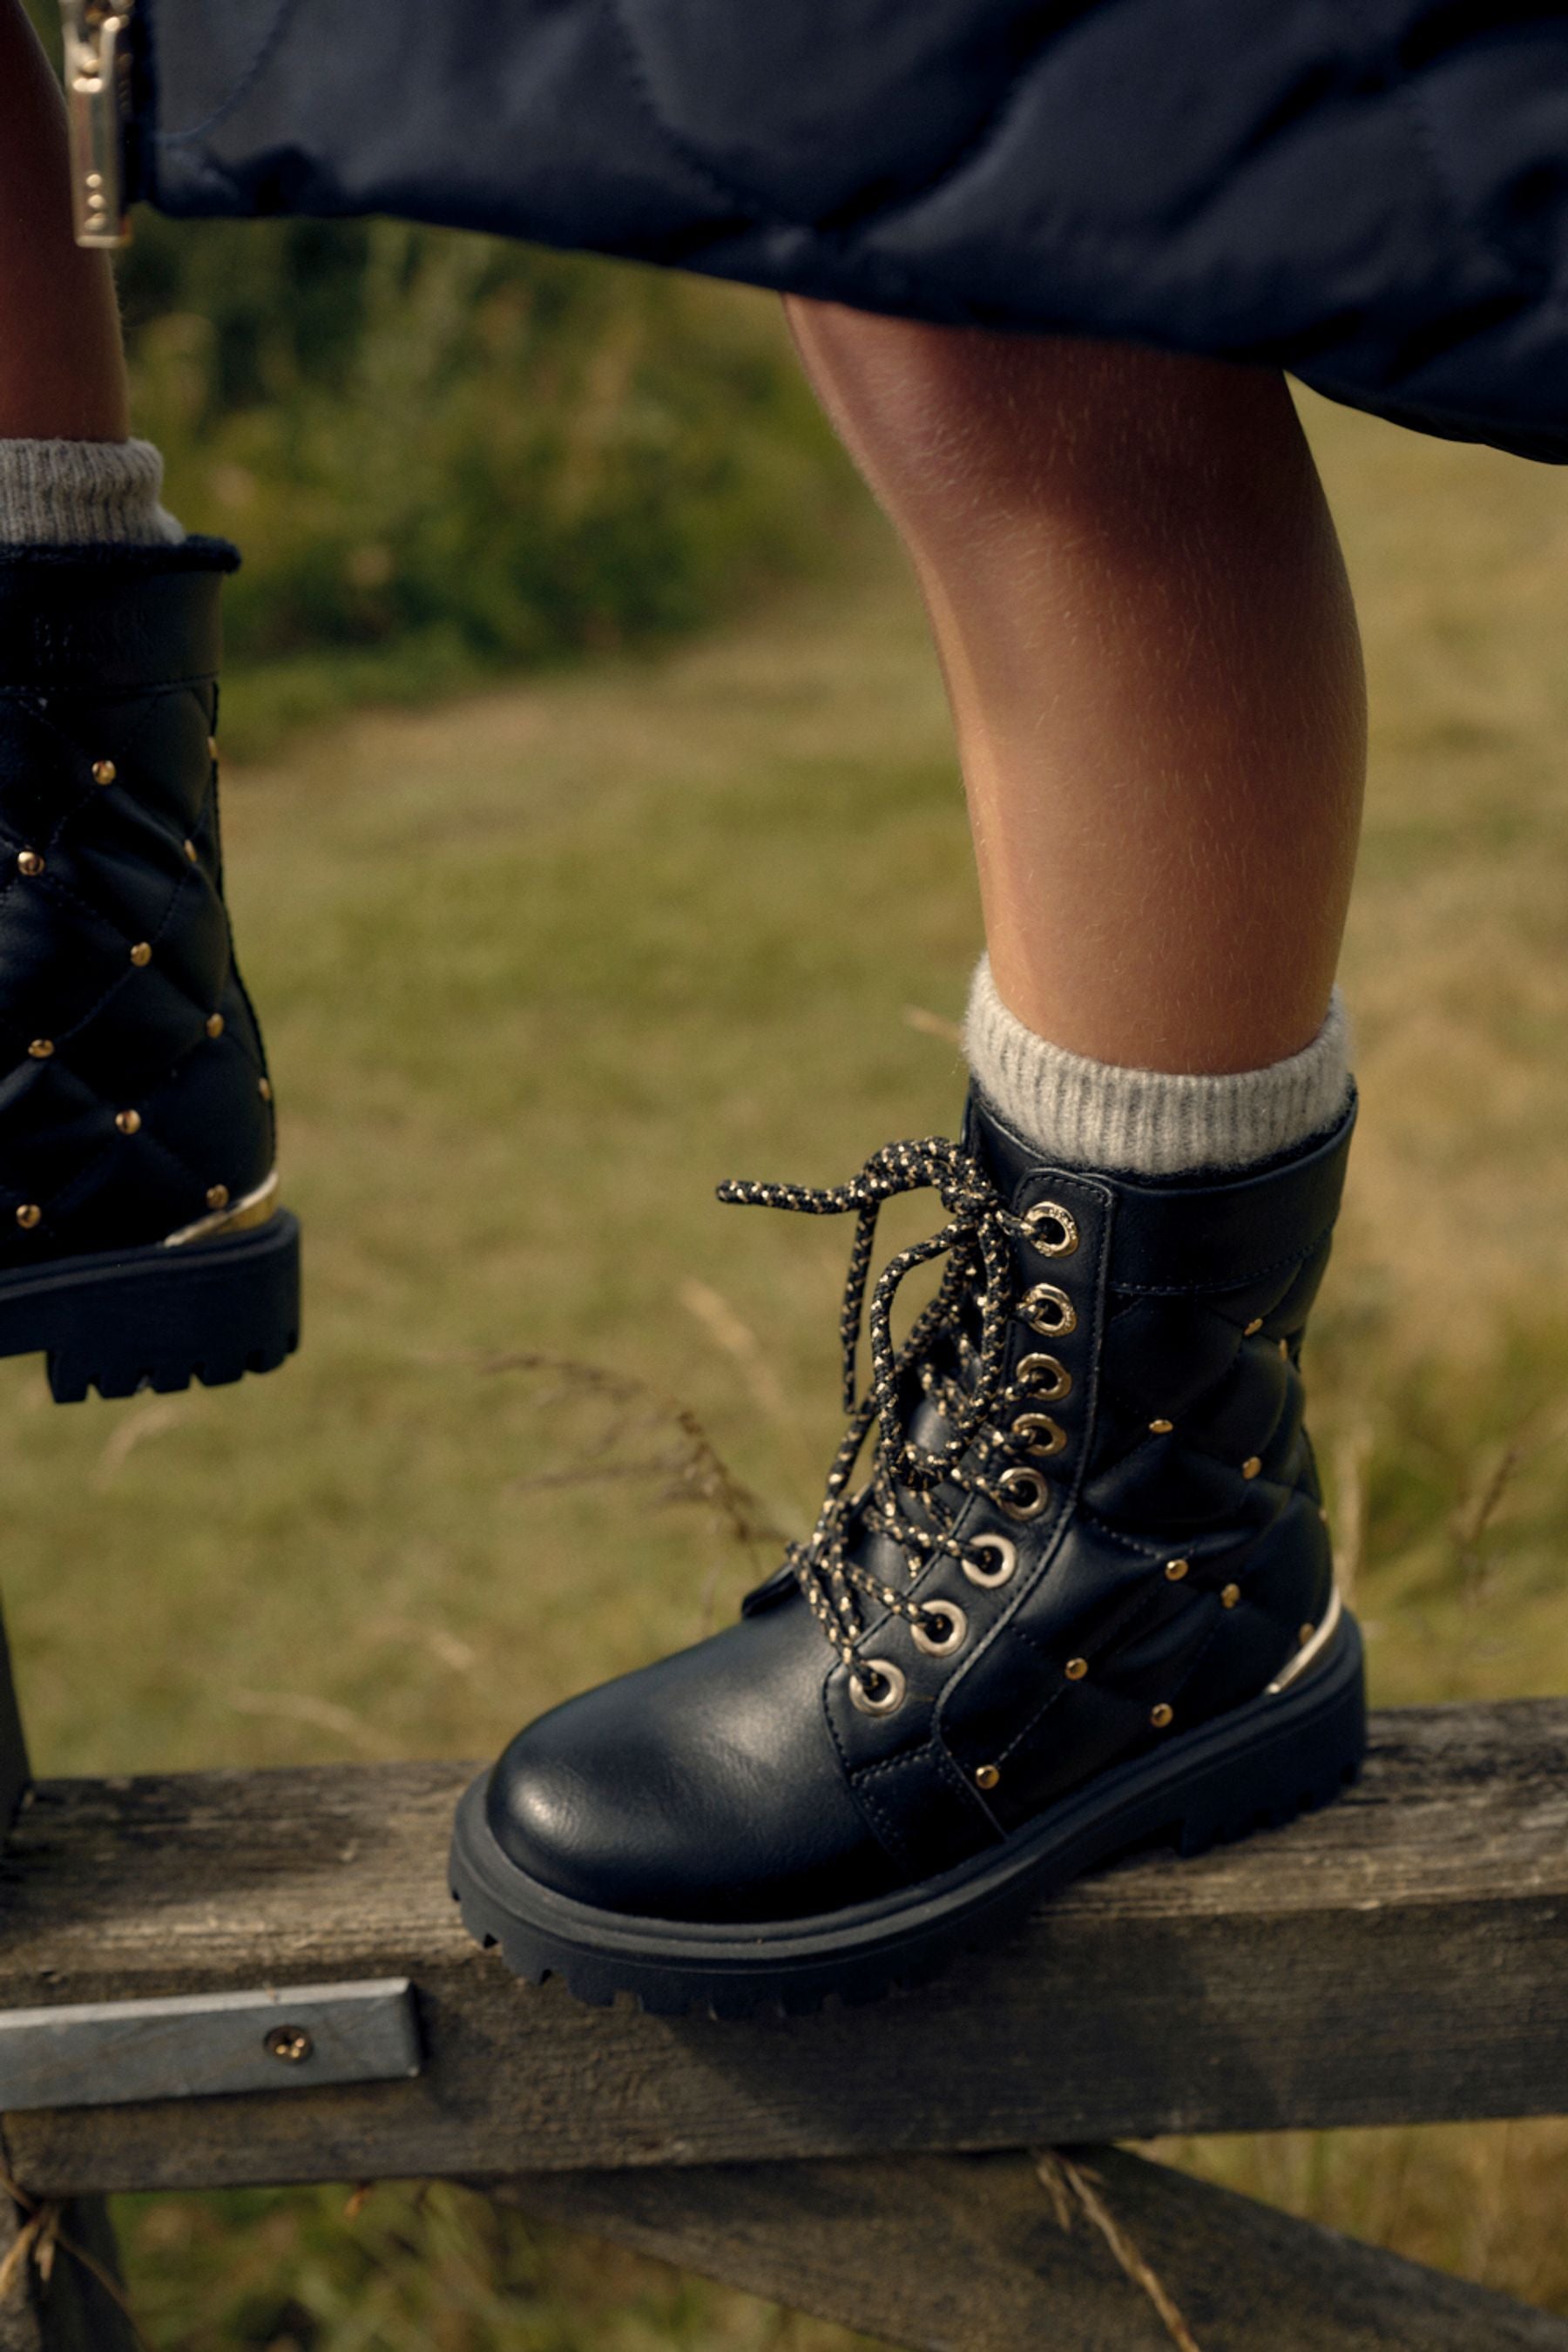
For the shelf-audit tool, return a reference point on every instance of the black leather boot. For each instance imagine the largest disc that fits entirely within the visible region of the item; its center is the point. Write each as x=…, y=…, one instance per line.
x=1083, y=1599
x=140, y=1239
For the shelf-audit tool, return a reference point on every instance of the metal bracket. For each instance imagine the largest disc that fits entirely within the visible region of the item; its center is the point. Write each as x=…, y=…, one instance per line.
x=102, y=2053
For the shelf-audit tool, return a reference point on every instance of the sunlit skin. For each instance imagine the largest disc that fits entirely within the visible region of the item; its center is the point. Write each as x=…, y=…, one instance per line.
x=62, y=376
x=1152, y=661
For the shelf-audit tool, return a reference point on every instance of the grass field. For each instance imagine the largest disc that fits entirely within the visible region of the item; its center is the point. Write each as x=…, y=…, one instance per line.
x=537, y=971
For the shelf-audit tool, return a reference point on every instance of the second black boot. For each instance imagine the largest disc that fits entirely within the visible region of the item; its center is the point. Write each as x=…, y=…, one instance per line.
x=1083, y=1598
x=141, y=1240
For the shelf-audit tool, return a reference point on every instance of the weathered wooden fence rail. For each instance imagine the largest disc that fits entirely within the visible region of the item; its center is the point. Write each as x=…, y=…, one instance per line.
x=1400, y=1958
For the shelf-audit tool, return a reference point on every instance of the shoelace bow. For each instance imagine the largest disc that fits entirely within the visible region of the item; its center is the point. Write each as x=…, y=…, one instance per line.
x=976, y=1243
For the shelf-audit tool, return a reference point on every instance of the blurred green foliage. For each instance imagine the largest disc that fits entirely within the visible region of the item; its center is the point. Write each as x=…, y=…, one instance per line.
x=464, y=453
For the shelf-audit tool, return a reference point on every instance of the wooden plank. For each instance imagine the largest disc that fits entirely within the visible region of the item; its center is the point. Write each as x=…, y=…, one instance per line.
x=964, y=2254
x=1398, y=1957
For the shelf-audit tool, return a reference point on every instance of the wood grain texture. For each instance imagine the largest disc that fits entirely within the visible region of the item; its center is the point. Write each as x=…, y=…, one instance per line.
x=964, y=2254
x=1399, y=1957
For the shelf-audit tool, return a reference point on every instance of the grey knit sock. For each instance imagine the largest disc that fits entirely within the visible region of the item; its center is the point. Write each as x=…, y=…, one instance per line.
x=83, y=493
x=1092, y=1114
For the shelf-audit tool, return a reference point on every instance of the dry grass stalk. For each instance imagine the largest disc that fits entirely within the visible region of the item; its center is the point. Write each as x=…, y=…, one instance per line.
x=932, y=1024
x=324, y=1714
x=731, y=1333
x=1352, y=1457
x=1064, y=2180
x=1471, y=1520
x=690, y=1469
x=39, y=2237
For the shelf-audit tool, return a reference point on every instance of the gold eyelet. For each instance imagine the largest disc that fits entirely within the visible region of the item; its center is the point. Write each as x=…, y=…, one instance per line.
x=104, y=772
x=1022, y=1494
x=1162, y=1716
x=1006, y=1567
x=1076, y=1669
x=1230, y=1596
x=1050, y=1311
x=986, y=1776
x=28, y=1216
x=1175, y=1569
x=941, y=1645
x=1038, y=1221
x=1053, y=1437
x=41, y=1048
x=1044, y=1377
x=889, y=1676
x=128, y=1122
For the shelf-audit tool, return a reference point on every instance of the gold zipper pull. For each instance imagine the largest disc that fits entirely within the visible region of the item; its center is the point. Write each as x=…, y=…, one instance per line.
x=96, y=63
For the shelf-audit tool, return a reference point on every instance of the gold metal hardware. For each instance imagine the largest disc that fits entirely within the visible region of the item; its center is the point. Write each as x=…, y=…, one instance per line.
x=41, y=1048
x=217, y=1196
x=1251, y=1467
x=289, y=2042
x=1023, y=1493
x=96, y=64
x=264, y=1088
x=1313, y=1644
x=1053, y=1437
x=1052, y=1230
x=1076, y=1669
x=212, y=747
x=1305, y=1634
x=1006, y=1567
x=1253, y=1329
x=214, y=1024
x=1230, y=1596
x=29, y=862
x=891, y=1695
x=986, y=1776
x=1044, y=1376
x=1175, y=1569
x=141, y=953
x=1162, y=1716
x=128, y=1122
x=253, y=1210
x=190, y=851
x=1050, y=1311
x=1285, y=1347
x=104, y=772
x=28, y=1216
x=1161, y=1428
x=940, y=1645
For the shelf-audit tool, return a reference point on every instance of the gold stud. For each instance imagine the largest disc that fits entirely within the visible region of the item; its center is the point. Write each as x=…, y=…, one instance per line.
x=41, y=1048
x=986, y=1776
x=128, y=1121
x=1161, y=1716
x=1251, y=1467
x=104, y=772
x=141, y=952
x=1253, y=1327
x=1161, y=1428
x=1284, y=1346
x=29, y=862
x=212, y=747
x=1230, y=1596
x=1322, y=1514
x=1175, y=1569
x=1305, y=1634
x=214, y=1024
x=28, y=1215
x=217, y=1196
x=190, y=851
x=264, y=1088
x=1076, y=1669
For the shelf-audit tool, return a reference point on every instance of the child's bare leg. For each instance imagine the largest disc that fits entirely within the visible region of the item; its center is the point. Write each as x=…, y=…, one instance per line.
x=1153, y=665
x=61, y=373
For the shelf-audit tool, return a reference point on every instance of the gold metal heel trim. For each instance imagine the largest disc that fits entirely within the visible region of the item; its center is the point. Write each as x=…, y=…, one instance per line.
x=239, y=1218
x=1309, y=1650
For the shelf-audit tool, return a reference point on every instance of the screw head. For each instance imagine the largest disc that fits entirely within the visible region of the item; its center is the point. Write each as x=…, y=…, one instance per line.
x=104, y=772
x=291, y=2044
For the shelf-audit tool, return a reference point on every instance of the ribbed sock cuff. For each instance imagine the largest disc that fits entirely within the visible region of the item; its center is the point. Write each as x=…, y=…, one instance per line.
x=1091, y=1114
x=83, y=494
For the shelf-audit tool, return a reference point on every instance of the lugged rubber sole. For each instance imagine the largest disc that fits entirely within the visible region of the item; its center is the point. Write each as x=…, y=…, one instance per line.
x=1259, y=1765
x=156, y=1318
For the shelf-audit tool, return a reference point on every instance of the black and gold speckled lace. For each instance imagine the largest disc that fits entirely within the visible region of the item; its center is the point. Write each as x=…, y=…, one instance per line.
x=955, y=1352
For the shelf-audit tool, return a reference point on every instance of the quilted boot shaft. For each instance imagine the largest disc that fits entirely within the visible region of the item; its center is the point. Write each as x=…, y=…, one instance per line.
x=135, y=1103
